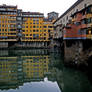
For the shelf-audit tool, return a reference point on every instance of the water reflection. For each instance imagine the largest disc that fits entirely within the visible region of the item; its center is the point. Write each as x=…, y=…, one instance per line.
x=39, y=70
x=20, y=70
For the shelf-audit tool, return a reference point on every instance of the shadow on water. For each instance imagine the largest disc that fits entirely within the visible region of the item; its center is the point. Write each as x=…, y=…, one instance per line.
x=89, y=71
x=39, y=70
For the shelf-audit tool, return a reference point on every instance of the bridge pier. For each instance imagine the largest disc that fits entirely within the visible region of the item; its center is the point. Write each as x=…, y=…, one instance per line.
x=76, y=52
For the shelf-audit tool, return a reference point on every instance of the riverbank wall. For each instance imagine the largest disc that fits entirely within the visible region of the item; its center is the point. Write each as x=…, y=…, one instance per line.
x=77, y=52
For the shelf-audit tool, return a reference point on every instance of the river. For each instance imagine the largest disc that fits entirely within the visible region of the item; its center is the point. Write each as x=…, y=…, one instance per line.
x=39, y=70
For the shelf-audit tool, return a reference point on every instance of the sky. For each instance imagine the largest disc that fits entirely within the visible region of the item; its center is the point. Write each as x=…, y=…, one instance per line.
x=43, y=6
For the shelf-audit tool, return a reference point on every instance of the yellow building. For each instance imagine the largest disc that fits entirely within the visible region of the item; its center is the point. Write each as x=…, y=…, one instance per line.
x=32, y=26
x=35, y=66
x=8, y=27
x=48, y=27
x=8, y=23
x=31, y=29
x=8, y=72
x=36, y=30
x=89, y=22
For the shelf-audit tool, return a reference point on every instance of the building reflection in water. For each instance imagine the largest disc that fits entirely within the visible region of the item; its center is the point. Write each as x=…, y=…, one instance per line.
x=8, y=72
x=39, y=71
x=35, y=67
x=22, y=66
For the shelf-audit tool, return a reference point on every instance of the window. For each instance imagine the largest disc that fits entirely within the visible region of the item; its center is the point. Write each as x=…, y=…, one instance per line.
x=44, y=57
x=44, y=61
x=77, y=23
x=33, y=26
x=34, y=35
x=89, y=20
x=33, y=20
x=14, y=26
x=23, y=26
x=37, y=30
x=37, y=35
x=37, y=26
x=45, y=27
x=83, y=13
x=26, y=34
x=12, y=29
x=2, y=25
x=30, y=34
x=79, y=32
x=76, y=10
x=23, y=30
x=8, y=29
x=2, y=33
x=8, y=25
x=84, y=21
x=50, y=27
x=89, y=31
x=89, y=10
x=48, y=30
x=33, y=30
x=44, y=38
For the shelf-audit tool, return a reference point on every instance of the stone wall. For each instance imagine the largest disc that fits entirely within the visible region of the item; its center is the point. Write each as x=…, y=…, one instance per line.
x=75, y=52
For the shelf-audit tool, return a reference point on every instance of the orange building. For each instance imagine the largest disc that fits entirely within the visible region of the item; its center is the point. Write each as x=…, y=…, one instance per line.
x=81, y=25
